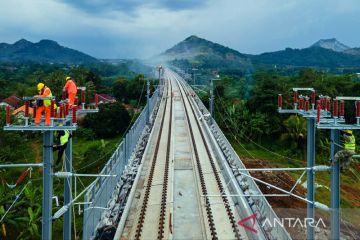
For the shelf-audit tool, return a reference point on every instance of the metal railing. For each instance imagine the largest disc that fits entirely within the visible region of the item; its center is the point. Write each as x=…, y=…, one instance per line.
x=98, y=196
x=257, y=203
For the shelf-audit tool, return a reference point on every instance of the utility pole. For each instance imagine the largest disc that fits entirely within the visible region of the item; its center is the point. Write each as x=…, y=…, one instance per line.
x=212, y=98
x=67, y=121
x=310, y=174
x=148, y=101
x=335, y=185
x=302, y=108
x=48, y=186
x=68, y=190
x=335, y=122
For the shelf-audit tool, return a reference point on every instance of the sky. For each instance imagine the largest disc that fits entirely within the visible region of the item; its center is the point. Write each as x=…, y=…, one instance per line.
x=144, y=28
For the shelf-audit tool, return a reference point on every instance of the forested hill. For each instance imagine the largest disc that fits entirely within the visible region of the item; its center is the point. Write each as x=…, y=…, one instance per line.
x=44, y=51
x=205, y=54
x=201, y=53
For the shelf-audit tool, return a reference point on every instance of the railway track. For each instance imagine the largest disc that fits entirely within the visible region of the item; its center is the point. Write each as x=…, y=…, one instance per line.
x=161, y=211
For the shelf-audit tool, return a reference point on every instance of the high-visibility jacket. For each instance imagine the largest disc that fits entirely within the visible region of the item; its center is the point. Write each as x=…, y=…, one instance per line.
x=46, y=93
x=70, y=86
x=64, y=138
x=349, y=143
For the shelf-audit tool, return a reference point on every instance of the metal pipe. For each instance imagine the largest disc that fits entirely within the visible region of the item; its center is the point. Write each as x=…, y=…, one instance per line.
x=48, y=186
x=21, y=165
x=314, y=168
x=335, y=185
x=67, y=191
x=246, y=195
x=316, y=204
x=148, y=101
x=310, y=174
x=70, y=174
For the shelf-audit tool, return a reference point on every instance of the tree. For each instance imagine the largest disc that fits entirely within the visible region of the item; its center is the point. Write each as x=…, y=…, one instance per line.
x=296, y=131
x=112, y=119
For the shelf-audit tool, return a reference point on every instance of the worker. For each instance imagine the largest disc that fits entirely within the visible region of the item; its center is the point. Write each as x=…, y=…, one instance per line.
x=43, y=105
x=349, y=147
x=71, y=89
x=61, y=138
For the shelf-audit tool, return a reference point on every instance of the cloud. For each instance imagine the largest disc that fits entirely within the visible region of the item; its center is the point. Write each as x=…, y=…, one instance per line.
x=130, y=6
x=134, y=28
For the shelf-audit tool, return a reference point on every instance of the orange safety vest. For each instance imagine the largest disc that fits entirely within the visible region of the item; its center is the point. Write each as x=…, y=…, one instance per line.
x=70, y=86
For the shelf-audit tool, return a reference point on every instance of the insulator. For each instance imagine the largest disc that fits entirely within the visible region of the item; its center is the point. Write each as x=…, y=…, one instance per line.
x=82, y=96
x=318, y=111
x=34, y=111
x=61, y=110
x=323, y=103
x=27, y=108
x=335, y=108
x=8, y=115
x=327, y=104
x=357, y=108
x=76, y=101
x=301, y=103
x=342, y=108
x=307, y=105
x=313, y=97
x=96, y=100
x=280, y=101
x=74, y=109
x=52, y=112
x=295, y=97
x=66, y=109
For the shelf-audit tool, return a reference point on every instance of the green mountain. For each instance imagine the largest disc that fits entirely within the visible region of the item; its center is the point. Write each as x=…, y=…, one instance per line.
x=307, y=57
x=199, y=52
x=327, y=54
x=45, y=51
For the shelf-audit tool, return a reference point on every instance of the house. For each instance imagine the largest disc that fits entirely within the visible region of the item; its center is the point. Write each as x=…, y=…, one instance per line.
x=13, y=101
x=104, y=98
x=20, y=112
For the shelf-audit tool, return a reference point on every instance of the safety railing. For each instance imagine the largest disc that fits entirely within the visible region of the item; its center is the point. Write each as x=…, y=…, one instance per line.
x=258, y=203
x=97, y=197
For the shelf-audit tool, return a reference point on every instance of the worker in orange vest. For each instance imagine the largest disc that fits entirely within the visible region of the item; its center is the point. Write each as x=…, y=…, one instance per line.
x=71, y=89
x=43, y=105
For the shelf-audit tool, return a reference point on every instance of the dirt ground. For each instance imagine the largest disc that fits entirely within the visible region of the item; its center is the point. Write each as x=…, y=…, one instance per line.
x=289, y=207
